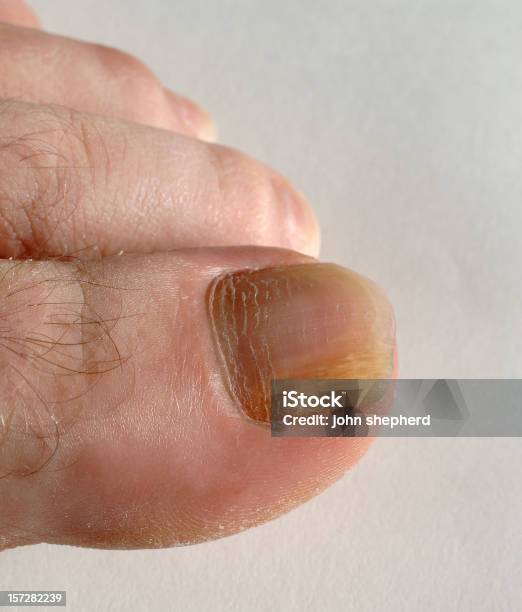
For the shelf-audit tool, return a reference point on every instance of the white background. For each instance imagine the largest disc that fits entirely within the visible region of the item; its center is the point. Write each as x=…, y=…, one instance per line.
x=402, y=123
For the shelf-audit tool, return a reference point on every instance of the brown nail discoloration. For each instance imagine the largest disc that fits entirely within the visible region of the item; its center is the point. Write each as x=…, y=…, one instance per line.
x=302, y=321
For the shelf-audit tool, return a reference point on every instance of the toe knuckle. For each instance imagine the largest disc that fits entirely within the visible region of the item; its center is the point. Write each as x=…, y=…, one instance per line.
x=121, y=64
x=244, y=176
x=133, y=81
